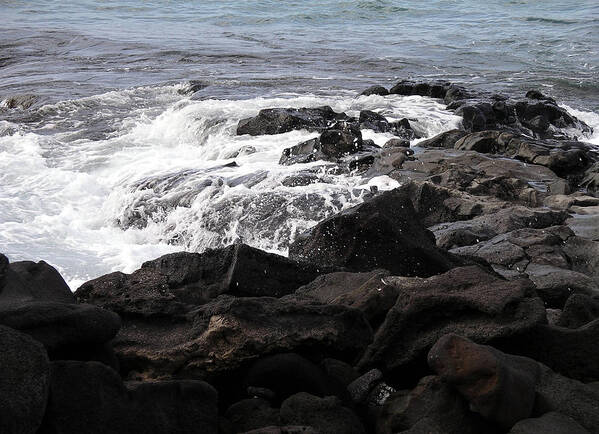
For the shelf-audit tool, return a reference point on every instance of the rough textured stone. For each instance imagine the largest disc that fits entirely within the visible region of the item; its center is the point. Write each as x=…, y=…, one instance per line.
x=380, y=233
x=24, y=382
x=282, y=120
x=549, y=423
x=465, y=300
x=579, y=310
x=500, y=388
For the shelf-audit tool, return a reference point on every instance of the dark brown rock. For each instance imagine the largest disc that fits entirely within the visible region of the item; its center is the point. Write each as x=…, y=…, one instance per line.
x=375, y=90
x=549, y=423
x=500, y=388
x=580, y=309
x=465, y=300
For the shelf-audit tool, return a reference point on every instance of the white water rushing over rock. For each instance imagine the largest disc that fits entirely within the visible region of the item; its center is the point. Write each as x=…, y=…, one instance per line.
x=107, y=182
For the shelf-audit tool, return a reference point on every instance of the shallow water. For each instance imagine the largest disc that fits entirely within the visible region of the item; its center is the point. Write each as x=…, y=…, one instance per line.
x=113, y=166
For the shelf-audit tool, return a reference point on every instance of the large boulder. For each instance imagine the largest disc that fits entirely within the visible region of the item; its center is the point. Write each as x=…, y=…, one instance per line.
x=498, y=385
x=580, y=309
x=432, y=407
x=383, y=232
x=172, y=284
x=282, y=120
x=228, y=333
x=466, y=300
x=24, y=382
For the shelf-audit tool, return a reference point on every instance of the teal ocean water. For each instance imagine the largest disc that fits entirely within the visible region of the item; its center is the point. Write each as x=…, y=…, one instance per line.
x=114, y=164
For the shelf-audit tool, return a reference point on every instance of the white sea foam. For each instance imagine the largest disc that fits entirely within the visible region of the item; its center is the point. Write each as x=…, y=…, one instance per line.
x=116, y=180
x=591, y=119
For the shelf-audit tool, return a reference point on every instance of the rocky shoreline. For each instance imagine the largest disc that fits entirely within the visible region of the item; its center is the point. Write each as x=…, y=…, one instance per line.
x=464, y=301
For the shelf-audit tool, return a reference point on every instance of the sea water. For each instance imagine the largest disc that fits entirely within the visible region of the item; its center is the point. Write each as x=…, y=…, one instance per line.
x=115, y=164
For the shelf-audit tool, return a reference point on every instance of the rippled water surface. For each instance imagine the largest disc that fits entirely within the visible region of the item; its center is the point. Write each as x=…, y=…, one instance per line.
x=113, y=166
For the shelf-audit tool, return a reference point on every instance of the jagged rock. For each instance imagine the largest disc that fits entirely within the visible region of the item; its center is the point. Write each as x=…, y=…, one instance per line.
x=590, y=181
x=326, y=415
x=23, y=384
x=373, y=121
x=172, y=284
x=375, y=90
x=556, y=285
x=446, y=139
x=191, y=87
x=250, y=414
x=367, y=292
x=288, y=374
x=486, y=227
x=501, y=388
x=465, y=300
x=568, y=159
x=580, y=309
x=431, y=407
x=382, y=232
x=485, y=175
x=549, y=423
x=282, y=120
x=220, y=336
x=342, y=138
x=565, y=202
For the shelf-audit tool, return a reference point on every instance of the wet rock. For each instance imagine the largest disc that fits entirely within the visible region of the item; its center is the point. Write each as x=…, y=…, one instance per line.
x=580, y=309
x=288, y=374
x=486, y=227
x=326, y=415
x=24, y=382
x=250, y=414
x=433, y=90
x=191, y=87
x=244, y=150
x=466, y=300
x=535, y=94
x=20, y=101
x=342, y=138
x=301, y=180
x=501, y=388
x=590, y=181
x=583, y=255
x=397, y=143
x=229, y=332
x=282, y=120
x=432, y=407
x=373, y=121
x=549, y=423
x=446, y=139
x=555, y=286
x=382, y=232
x=375, y=90
x=304, y=152
x=173, y=283
x=568, y=159
x=585, y=221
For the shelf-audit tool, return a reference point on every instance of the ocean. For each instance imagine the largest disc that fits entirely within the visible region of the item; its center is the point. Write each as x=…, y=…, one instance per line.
x=115, y=164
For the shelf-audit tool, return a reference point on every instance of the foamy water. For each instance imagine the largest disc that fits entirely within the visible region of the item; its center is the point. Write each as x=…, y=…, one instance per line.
x=106, y=182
